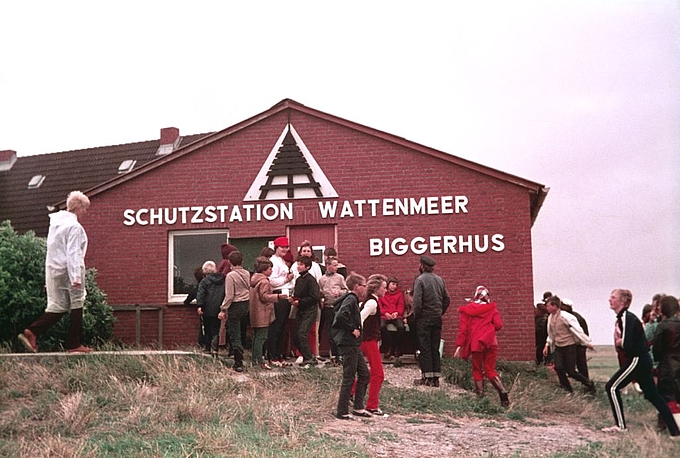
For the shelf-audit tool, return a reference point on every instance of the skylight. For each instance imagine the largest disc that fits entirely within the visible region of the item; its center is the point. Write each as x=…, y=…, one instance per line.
x=126, y=165
x=36, y=181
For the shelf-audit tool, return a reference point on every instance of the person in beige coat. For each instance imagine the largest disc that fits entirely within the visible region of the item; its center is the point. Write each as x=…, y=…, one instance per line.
x=262, y=301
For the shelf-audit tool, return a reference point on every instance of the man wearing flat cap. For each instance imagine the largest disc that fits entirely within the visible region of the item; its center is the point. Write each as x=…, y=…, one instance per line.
x=430, y=301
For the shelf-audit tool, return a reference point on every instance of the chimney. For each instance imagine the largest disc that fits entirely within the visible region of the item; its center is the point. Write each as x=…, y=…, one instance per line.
x=169, y=141
x=7, y=159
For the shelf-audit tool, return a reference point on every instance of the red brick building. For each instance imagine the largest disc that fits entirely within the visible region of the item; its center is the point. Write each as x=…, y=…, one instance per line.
x=379, y=199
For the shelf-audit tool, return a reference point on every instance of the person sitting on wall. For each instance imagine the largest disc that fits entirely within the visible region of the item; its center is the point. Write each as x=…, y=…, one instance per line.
x=235, y=306
x=208, y=300
x=392, y=312
x=410, y=319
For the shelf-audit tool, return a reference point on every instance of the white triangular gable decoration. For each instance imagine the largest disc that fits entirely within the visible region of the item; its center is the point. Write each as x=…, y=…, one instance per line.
x=326, y=188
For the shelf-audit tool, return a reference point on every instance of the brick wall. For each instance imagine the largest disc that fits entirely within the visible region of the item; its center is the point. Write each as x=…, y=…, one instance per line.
x=132, y=261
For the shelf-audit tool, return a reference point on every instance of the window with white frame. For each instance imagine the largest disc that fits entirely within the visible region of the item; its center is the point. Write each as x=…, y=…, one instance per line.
x=188, y=250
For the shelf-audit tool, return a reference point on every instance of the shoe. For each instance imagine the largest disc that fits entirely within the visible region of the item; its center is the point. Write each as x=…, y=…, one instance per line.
x=275, y=363
x=344, y=416
x=29, y=340
x=266, y=366
x=376, y=412
x=238, y=368
x=361, y=413
x=613, y=429
x=591, y=389
x=80, y=349
x=420, y=382
x=309, y=362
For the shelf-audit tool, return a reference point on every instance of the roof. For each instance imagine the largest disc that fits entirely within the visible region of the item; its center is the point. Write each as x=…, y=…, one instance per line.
x=95, y=170
x=84, y=169
x=538, y=192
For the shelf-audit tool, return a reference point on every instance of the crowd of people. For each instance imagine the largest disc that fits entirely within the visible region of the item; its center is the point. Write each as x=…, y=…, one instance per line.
x=355, y=314
x=647, y=348
x=359, y=313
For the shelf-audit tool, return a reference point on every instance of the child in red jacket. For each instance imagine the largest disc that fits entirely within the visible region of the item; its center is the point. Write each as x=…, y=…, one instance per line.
x=479, y=321
x=392, y=312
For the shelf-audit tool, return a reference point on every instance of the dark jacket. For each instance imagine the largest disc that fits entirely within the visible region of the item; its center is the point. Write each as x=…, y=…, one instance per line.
x=666, y=349
x=634, y=342
x=347, y=319
x=210, y=294
x=307, y=291
x=430, y=298
x=581, y=321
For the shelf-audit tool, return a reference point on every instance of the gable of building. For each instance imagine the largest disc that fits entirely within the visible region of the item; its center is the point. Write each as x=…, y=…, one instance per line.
x=536, y=191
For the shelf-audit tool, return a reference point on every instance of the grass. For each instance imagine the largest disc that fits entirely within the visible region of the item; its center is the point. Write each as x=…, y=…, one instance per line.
x=133, y=406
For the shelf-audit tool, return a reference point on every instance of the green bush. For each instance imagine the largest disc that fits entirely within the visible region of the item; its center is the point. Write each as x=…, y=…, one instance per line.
x=22, y=280
x=23, y=297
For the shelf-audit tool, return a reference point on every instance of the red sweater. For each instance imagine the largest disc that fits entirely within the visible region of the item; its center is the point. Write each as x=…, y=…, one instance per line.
x=392, y=302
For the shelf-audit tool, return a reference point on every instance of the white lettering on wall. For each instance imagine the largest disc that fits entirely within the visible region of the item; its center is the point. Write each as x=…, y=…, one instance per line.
x=207, y=214
x=330, y=209
x=436, y=244
x=433, y=205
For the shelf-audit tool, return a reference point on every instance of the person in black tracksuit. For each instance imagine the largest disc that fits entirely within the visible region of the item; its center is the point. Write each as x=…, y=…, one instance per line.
x=629, y=336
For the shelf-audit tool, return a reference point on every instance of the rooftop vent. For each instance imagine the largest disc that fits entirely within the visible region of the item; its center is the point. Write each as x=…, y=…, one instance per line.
x=7, y=159
x=36, y=181
x=126, y=166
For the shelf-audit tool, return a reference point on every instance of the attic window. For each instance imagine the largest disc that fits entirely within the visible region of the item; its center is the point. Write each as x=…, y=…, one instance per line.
x=126, y=165
x=36, y=181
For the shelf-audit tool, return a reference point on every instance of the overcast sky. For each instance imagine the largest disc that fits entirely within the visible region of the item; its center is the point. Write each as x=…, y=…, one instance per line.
x=583, y=97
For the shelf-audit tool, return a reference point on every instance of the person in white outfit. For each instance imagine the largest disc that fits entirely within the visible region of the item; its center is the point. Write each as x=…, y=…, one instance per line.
x=64, y=275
